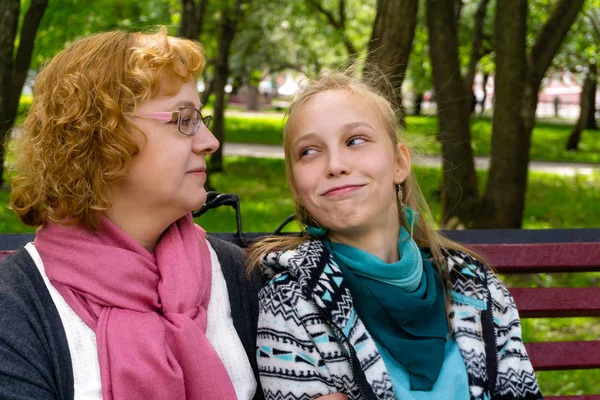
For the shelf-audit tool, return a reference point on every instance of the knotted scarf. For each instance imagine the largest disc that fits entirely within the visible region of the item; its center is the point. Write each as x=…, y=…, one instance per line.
x=401, y=304
x=148, y=310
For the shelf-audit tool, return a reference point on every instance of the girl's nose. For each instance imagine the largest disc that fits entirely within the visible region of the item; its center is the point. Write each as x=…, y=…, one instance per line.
x=337, y=165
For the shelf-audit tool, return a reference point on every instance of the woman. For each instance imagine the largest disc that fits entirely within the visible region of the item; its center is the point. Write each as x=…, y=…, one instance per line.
x=373, y=303
x=121, y=295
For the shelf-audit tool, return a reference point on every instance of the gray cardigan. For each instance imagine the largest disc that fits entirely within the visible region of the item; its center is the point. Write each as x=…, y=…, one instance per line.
x=35, y=362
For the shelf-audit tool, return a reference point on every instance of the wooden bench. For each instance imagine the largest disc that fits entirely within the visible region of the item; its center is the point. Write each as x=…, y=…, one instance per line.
x=515, y=252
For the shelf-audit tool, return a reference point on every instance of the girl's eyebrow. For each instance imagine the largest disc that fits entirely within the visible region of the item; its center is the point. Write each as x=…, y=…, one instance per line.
x=304, y=137
x=352, y=125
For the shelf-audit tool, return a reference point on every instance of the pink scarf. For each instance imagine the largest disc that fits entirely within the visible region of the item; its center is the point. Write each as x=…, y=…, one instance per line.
x=148, y=310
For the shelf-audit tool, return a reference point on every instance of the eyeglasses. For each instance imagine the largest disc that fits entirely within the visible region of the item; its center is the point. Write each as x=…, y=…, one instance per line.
x=187, y=118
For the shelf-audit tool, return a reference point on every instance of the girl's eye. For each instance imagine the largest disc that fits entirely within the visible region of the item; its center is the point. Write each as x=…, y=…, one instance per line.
x=185, y=121
x=355, y=140
x=307, y=152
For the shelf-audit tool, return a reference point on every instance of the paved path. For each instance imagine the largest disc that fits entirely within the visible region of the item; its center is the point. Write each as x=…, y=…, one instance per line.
x=560, y=168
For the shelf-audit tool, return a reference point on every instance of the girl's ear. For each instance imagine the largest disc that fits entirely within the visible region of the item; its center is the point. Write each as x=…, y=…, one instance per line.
x=402, y=164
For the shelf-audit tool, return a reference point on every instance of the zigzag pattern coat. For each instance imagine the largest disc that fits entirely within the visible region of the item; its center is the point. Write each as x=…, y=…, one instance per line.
x=312, y=343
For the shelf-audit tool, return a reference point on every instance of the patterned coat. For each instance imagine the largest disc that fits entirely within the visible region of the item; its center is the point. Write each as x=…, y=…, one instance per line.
x=312, y=343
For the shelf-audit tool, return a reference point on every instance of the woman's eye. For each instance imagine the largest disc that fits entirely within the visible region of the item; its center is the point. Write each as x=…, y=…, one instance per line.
x=355, y=140
x=185, y=121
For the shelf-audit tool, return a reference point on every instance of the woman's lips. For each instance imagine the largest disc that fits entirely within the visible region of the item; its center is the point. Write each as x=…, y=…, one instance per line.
x=198, y=172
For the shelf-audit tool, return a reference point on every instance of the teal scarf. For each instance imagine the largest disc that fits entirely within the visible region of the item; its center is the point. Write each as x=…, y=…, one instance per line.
x=401, y=305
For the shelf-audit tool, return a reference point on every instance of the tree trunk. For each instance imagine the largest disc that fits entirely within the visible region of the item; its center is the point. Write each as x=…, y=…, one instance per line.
x=543, y=51
x=192, y=18
x=518, y=80
x=459, y=194
x=476, y=53
x=253, y=103
x=418, y=103
x=13, y=73
x=590, y=122
x=486, y=77
x=208, y=90
x=587, y=103
x=229, y=23
x=391, y=43
x=502, y=203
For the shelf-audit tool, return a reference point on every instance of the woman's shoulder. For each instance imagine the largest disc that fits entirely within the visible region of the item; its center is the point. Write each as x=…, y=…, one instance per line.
x=23, y=293
x=32, y=337
x=19, y=276
x=223, y=247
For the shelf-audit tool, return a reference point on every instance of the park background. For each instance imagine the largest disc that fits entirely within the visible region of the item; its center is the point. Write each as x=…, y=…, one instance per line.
x=499, y=99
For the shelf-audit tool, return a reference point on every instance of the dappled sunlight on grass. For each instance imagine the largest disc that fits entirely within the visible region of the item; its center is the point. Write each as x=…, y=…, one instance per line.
x=557, y=383
x=263, y=129
x=560, y=329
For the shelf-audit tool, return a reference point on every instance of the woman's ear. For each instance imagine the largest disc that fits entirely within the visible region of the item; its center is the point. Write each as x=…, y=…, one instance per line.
x=402, y=164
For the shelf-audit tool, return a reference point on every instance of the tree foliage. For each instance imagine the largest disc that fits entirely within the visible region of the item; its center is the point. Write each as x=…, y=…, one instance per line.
x=269, y=36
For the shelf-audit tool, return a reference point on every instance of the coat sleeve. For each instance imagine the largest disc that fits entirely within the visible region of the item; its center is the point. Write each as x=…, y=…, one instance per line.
x=34, y=355
x=289, y=362
x=515, y=376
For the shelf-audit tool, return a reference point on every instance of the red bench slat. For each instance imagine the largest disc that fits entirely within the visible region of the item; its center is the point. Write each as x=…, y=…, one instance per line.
x=5, y=253
x=555, y=356
x=541, y=257
x=557, y=302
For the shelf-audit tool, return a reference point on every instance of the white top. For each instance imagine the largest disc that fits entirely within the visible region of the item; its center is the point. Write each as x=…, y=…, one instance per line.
x=220, y=332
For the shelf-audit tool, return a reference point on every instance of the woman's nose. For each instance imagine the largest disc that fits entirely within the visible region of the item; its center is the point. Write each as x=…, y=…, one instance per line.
x=204, y=141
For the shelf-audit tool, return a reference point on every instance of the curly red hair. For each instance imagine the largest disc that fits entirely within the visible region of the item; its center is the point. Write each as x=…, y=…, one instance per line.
x=76, y=138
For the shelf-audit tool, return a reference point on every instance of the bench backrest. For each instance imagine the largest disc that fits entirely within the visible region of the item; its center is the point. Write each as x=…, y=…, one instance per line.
x=518, y=252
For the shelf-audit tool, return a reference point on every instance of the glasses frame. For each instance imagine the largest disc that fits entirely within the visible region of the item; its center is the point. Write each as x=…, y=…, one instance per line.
x=174, y=116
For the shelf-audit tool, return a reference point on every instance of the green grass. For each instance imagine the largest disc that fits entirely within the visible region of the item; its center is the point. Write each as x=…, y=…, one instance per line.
x=552, y=201
x=548, y=139
x=248, y=128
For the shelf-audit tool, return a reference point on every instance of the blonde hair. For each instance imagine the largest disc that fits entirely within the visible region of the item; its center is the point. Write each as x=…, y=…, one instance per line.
x=76, y=138
x=424, y=233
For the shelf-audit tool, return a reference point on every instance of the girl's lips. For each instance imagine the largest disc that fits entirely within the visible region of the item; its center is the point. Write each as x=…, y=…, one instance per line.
x=342, y=190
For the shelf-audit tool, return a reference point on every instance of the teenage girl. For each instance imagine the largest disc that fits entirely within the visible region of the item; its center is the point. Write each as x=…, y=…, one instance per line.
x=373, y=303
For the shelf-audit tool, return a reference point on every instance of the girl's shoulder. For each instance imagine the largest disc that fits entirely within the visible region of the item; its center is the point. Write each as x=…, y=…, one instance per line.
x=297, y=262
x=463, y=265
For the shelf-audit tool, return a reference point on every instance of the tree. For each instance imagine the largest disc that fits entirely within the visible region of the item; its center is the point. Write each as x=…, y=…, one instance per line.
x=391, y=43
x=583, y=51
x=230, y=19
x=518, y=78
x=459, y=192
x=192, y=18
x=587, y=103
x=14, y=67
x=477, y=50
x=419, y=66
x=593, y=18
x=338, y=23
